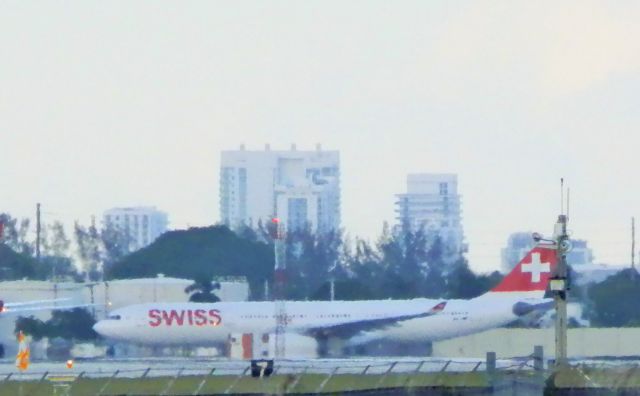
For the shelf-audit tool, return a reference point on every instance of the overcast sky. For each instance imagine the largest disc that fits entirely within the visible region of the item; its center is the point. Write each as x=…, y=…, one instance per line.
x=113, y=103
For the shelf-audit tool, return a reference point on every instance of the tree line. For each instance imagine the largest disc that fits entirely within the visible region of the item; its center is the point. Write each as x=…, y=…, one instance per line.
x=78, y=256
x=399, y=264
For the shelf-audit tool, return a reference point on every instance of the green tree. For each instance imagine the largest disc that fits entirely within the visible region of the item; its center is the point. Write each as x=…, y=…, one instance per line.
x=211, y=251
x=115, y=242
x=614, y=300
x=464, y=283
x=59, y=242
x=14, y=265
x=16, y=234
x=89, y=250
x=201, y=290
x=76, y=324
x=364, y=272
x=435, y=284
x=31, y=326
x=55, y=262
x=413, y=263
x=312, y=259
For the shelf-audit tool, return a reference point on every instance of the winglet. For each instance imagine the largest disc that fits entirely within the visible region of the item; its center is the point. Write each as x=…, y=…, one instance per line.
x=438, y=308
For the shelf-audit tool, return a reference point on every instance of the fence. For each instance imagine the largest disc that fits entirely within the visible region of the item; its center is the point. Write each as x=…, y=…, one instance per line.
x=525, y=375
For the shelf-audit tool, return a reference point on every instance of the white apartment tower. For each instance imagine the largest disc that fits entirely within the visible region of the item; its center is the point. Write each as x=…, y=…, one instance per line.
x=141, y=224
x=301, y=188
x=432, y=203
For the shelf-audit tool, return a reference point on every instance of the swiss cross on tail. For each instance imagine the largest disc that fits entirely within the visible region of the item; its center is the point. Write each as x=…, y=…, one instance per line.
x=532, y=272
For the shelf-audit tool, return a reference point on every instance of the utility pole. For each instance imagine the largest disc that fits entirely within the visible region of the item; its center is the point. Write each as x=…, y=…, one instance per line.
x=280, y=286
x=560, y=287
x=38, y=230
x=559, y=282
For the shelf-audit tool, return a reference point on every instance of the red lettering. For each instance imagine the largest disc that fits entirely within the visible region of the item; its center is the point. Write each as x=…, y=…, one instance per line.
x=201, y=317
x=172, y=316
x=216, y=319
x=178, y=318
x=154, y=318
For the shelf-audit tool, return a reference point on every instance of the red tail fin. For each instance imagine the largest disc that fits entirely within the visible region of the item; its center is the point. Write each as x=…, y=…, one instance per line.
x=532, y=272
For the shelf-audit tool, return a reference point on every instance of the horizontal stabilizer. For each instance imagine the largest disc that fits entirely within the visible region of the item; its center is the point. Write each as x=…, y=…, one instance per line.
x=522, y=308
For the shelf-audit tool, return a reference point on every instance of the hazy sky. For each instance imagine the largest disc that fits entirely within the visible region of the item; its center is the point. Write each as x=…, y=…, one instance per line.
x=129, y=103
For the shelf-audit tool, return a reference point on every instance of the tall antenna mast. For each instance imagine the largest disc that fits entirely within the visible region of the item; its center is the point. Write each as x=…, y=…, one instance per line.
x=559, y=282
x=282, y=319
x=561, y=195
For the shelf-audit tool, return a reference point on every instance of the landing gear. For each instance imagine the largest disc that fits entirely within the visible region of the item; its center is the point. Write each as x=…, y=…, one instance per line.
x=1, y=351
x=322, y=347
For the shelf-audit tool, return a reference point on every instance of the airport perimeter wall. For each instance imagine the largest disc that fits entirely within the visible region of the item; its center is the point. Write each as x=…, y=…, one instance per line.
x=583, y=342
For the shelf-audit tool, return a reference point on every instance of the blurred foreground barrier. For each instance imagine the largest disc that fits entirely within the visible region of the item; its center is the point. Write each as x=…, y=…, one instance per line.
x=524, y=375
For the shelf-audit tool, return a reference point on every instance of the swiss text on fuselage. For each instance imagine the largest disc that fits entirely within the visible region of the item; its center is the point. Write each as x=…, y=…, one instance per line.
x=184, y=317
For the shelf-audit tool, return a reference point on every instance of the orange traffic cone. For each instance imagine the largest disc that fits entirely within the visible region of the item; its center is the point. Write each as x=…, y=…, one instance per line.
x=22, y=358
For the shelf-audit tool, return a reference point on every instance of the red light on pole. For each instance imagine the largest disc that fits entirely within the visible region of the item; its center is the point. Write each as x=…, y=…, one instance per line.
x=274, y=228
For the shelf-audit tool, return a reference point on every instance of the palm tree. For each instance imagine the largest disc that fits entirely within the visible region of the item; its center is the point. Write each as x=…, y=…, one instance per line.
x=201, y=290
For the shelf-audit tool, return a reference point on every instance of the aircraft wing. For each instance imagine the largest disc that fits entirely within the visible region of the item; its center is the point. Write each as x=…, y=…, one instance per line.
x=38, y=305
x=45, y=308
x=32, y=302
x=350, y=329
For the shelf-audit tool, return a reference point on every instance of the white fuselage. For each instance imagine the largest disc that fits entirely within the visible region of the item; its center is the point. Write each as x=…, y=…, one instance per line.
x=212, y=323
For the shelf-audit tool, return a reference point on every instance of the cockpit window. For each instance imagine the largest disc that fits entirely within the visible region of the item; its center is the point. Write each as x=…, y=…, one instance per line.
x=114, y=317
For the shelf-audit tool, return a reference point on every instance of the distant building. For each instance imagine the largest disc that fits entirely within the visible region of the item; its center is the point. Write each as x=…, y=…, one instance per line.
x=142, y=224
x=301, y=188
x=520, y=243
x=432, y=203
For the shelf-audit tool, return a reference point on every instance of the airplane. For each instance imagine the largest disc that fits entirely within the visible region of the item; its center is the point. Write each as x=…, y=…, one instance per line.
x=354, y=323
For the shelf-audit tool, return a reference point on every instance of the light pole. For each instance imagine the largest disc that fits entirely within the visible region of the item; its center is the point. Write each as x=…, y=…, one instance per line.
x=559, y=285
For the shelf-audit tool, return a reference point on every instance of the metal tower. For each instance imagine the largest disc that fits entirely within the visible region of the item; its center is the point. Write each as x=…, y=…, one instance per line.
x=280, y=286
x=560, y=287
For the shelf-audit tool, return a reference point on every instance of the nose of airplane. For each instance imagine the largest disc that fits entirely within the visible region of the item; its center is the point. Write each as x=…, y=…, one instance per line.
x=102, y=327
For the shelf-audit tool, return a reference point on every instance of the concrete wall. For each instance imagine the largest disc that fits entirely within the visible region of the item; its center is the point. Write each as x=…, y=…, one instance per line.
x=582, y=342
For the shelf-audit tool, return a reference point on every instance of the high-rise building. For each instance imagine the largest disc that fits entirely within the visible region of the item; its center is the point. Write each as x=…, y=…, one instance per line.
x=432, y=203
x=301, y=188
x=519, y=244
x=141, y=225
